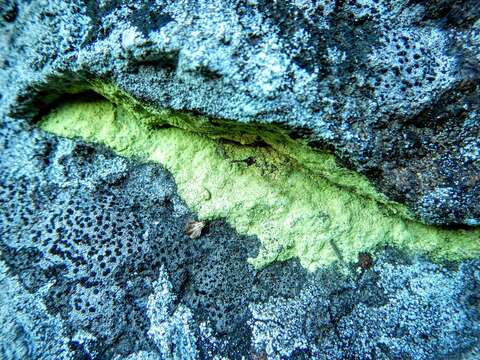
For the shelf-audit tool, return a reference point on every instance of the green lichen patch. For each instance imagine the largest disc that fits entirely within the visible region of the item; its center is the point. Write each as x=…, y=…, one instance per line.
x=297, y=201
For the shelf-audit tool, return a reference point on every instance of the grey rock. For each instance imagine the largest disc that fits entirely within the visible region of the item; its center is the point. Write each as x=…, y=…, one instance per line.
x=170, y=325
x=392, y=87
x=27, y=331
x=398, y=311
x=97, y=228
x=94, y=250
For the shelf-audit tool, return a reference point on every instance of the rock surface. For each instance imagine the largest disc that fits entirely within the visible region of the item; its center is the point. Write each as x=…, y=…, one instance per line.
x=95, y=262
x=297, y=202
x=94, y=252
x=392, y=87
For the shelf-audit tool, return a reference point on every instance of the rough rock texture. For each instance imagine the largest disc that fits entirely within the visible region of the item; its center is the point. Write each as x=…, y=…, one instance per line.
x=309, y=209
x=96, y=264
x=391, y=86
x=27, y=330
x=386, y=313
x=97, y=228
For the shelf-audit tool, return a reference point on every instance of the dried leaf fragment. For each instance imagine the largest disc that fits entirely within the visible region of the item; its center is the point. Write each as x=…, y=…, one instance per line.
x=194, y=229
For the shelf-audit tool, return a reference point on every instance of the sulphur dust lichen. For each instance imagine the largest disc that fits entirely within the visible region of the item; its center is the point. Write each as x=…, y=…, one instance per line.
x=297, y=201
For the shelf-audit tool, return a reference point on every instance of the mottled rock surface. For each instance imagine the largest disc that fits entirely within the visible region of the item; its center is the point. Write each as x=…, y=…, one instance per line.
x=95, y=262
x=392, y=87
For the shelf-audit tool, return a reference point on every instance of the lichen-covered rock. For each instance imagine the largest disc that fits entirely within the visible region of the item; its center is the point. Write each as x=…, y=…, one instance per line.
x=170, y=325
x=296, y=204
x=27, y=330
x=390, y=86
x=399, y=311
x=86, y=233
x=95, y=260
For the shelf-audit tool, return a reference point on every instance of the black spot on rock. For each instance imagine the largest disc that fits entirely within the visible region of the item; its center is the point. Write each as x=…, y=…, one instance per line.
x=8, y=10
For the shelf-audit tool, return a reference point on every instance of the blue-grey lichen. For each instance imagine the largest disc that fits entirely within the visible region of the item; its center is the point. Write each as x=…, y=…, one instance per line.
x=413, y=312
x=27, y=331
x=171, y=326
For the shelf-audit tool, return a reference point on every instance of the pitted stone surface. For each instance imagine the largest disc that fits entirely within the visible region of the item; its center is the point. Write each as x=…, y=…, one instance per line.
x=94, y=259
x=391, y=86
x=96, y=263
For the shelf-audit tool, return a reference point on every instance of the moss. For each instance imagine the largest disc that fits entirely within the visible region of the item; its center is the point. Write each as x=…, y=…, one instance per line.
x=296, y=200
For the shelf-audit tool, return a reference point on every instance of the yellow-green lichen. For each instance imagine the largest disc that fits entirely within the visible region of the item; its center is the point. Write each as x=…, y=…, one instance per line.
x=297, y=201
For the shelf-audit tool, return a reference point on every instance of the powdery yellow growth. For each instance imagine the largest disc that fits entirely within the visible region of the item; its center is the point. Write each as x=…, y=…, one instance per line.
x=297, y=201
